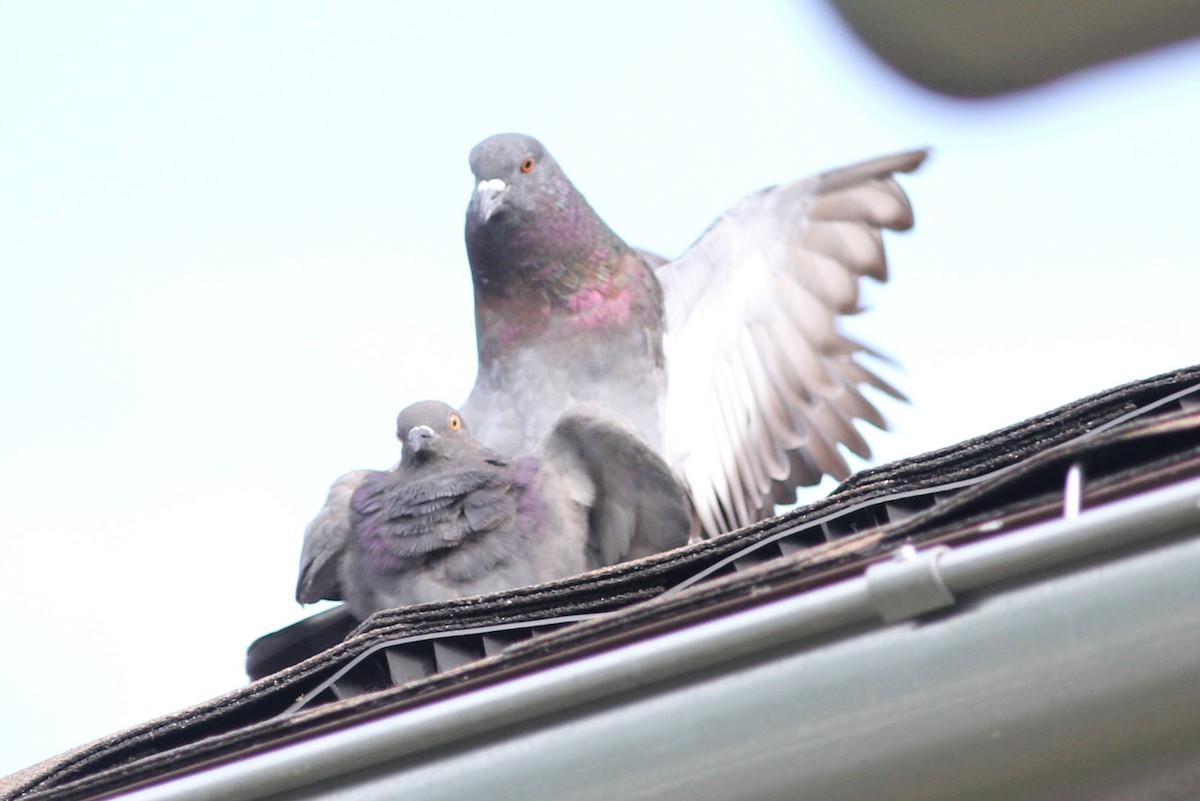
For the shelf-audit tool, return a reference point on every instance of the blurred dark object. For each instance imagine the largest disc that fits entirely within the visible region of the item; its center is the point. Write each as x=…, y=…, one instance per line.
x=979, y=48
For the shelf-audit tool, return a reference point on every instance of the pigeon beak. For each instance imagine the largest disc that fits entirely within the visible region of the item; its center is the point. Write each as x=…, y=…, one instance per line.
x=420, y=437
x=489, y=196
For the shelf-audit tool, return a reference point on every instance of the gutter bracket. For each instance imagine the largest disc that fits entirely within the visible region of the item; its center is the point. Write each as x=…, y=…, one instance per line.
x=909, y=584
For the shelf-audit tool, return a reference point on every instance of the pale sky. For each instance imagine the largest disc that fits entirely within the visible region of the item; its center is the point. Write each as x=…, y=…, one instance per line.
x=231, y=240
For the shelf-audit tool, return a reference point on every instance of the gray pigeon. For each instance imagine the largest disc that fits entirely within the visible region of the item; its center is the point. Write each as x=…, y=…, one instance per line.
x=455, y=518
x=728, y=360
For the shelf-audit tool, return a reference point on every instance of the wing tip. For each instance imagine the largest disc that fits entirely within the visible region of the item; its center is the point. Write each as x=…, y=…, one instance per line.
x=880, y=167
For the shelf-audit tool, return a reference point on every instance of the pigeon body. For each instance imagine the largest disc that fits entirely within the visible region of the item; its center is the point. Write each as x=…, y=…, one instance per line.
x=455, y=518
x=727, y=360
x=565, y=311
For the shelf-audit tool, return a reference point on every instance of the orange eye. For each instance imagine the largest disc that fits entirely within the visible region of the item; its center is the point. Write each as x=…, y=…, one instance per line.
x=455, y=422
x=528, y=164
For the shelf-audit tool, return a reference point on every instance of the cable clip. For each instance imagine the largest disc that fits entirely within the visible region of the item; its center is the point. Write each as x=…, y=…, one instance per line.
x=909, y=584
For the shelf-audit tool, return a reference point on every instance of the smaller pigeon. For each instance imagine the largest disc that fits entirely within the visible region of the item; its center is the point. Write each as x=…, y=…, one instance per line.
x=455, y=518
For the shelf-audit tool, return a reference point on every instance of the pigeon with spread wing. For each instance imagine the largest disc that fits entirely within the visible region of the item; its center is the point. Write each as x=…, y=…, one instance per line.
x=728, y=360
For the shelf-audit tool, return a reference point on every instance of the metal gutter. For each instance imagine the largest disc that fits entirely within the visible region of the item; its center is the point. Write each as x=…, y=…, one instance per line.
x=1036, y=680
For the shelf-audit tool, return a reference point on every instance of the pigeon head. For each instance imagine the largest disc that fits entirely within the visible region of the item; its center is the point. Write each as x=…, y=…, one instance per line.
x=429, y=430
x=528, y=227
x=512, y=172
x=542, y=260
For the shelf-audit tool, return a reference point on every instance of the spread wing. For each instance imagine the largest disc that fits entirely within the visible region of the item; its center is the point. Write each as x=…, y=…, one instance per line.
x=325, y=541
x=637, y=506
x=762, y=387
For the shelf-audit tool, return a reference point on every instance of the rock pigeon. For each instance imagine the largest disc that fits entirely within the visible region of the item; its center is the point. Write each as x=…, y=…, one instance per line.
x=728, y=360
x=455, y=518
